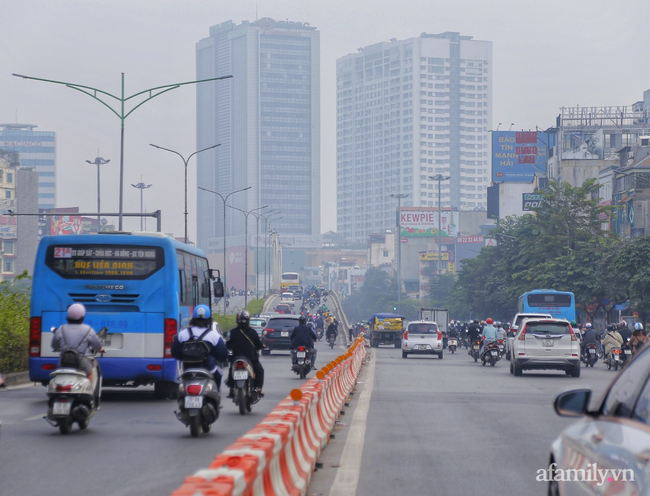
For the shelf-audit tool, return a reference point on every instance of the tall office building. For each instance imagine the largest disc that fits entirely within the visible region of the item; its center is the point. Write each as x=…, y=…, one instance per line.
x=408, y=110
x=35, y=149
x=266, y=119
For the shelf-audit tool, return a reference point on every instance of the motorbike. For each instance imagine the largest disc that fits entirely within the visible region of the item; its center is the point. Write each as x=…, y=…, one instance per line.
x=614, y=359
x=319, y=333
x=72, y=397
x=301, y=361
x=452, y=344
x=330, y=341
x=491, y=354
x=244, y=381
x=627, y=355
x=590, y=355
x=502, y=347
x=198, y=400
x=475, y=349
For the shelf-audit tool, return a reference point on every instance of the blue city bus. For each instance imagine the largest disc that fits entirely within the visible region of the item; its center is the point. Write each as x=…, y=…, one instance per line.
x=142, y=287
x=559, y=304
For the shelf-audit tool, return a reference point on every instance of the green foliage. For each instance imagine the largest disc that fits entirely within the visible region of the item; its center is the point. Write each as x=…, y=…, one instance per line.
x=376, y=295
x=228, y=322
x=14, y=326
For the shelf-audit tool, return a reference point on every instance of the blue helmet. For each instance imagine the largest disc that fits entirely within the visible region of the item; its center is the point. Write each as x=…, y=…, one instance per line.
x=202, y=312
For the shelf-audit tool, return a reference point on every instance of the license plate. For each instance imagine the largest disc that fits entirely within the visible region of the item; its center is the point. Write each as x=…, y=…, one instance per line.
x=240, y=375
x=476, y=347
x=106, y=341
x=301, y=354
x=494, y=353
x=61, y=409
x=284, y=334
x=547, y=342
x=452, y=343
x=628, y=352
x=616, y=358
x=193, y=401
x=423, y=347
x=592, y=351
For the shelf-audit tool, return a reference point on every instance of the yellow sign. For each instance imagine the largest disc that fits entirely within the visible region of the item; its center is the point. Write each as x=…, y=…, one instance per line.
x=432, y=255
x=452, y=268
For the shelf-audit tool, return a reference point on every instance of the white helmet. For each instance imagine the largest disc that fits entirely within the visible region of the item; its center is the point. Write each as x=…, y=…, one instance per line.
x=638, y=326
x=76, y=311
x=588, y=325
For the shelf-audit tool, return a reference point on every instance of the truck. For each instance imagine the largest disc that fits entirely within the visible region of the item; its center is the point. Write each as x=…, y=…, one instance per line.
x=441, y=317
x=386, y=328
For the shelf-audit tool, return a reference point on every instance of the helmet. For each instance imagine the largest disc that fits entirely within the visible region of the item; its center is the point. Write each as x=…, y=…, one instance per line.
x=588, y=325
x=573, y=323
x=302, y=319
x=483, y=322
x=488, y=321
x=638, y=326
x=623, y=323
x=76, y=311
x=243, y=317
x=201, y=312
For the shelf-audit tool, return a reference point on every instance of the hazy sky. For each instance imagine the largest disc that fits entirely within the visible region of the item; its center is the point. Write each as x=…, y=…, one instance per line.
x=545, y=55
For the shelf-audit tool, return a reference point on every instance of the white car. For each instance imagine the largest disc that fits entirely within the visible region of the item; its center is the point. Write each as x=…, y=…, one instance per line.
x=516, y=323
x=545, y=344
x=422, y=337
x=287, y=298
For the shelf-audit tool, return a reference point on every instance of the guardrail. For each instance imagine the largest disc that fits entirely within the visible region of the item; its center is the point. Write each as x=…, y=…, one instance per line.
x=278, y=456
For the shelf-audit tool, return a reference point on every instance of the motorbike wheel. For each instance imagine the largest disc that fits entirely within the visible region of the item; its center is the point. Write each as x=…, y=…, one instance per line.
x=241, y=401
x=475, y=358
x=195, y=425
x=609, y=366
x=205, y=427
x=615, y=367
x=83, y=424
x=65, y=425
x=483, y=362
x=492, y=362
x=302, y=372
x=453, y=350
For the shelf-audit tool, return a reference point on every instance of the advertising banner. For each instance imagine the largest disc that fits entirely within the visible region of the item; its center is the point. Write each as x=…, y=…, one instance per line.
x=65, y=224
x=583, y=146
x=432, y=255
x=531, y=201
x=423, y=222
x=518, y=155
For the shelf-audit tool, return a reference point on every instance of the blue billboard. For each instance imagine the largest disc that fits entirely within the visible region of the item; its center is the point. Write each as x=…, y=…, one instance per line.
x=518, y=155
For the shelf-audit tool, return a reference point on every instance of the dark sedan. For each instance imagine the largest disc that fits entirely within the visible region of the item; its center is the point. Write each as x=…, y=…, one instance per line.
x=278, y=331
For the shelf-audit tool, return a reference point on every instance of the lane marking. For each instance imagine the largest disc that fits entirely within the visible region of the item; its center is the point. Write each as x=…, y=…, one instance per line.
x=347, y=476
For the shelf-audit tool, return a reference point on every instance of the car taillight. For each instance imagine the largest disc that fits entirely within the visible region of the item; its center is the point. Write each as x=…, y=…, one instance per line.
x=522, y=335
x=406, y=335
x=35, y=336
x=194, y=389
x=269, y=330
x=63, y=389
x=573, y=336
x=48, y=366
x=171, y=328
x=240, y=364
x=439, y=335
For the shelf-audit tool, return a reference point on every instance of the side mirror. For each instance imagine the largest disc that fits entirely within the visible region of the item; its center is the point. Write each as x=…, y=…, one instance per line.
x=217, y=288
x=52, y=329
x=102, y=332
x=572, y=403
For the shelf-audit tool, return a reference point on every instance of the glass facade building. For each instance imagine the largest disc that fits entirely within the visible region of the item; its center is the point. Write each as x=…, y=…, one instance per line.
x=35, y=149
x=408, y=110
x=266, y=119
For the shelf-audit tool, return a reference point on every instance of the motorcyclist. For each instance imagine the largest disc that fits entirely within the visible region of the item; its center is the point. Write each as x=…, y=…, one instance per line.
x=303, y=335
x=611, y=340
x=75, y=335
x=331, y=329
x=639, y=337
x=624, y=331
x=244, y=341
x=501, y=332
x=217, y=354
x=474, y=333
x=588, y=337
x=489, y=334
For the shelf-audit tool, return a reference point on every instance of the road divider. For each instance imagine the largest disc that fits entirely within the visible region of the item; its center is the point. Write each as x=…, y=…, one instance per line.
x=278, y=456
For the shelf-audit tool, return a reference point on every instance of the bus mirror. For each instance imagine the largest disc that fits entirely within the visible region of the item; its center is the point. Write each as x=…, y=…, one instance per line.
x=218, y=289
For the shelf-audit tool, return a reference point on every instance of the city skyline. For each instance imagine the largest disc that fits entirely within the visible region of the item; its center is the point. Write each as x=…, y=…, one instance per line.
x=536, y=71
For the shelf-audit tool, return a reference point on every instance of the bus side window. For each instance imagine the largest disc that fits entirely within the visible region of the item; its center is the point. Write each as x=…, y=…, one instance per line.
x=182, y=284
x=195, y=290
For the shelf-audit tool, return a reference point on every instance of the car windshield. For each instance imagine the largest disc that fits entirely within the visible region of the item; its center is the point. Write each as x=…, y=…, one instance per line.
x=423, y=328
x=529, y=316
x=287, y=295
x=548, y=328
x=257, y=322
x=282, y=323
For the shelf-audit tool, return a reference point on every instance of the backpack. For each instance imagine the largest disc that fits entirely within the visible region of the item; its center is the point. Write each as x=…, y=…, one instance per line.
x=70, y=357
x=195, y=349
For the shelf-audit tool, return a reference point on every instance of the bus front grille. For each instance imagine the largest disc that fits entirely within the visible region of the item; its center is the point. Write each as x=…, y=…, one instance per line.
x=103, y=297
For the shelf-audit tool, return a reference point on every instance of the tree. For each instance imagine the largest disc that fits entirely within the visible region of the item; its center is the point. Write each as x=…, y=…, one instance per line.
x=374, y=296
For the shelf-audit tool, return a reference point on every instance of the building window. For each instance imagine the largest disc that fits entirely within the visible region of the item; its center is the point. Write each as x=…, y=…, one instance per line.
x=10, y=177
x=8, y=266
x=7, y=193
x=385, y=253
x=8, y=248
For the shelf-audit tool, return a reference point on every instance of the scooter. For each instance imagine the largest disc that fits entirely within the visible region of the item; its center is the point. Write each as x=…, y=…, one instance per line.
x=71, y=395
x=198, y=400
x=614, y=359
x=475, y=350
x=491, y=354
x=244, y=381
x=589, y=357
x=502, y=347
x=301, y=361
x=453, y=345
x=331, y=341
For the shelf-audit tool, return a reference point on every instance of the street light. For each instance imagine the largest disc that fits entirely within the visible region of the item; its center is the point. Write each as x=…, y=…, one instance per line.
x=246, y=214
x=270, y=266
x=141, y=186
x=122, y=115
x=266, y=217
x=185, y=161
x=439, y=178
x=98, y=161
x=257, y=251
x=224, y=232
x=399, y=197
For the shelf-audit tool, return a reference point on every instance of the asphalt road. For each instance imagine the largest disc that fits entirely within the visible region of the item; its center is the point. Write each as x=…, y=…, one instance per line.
x=448, y=427
x=134, y=445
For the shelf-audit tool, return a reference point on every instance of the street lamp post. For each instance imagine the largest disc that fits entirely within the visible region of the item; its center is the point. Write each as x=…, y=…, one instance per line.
x=141, y=186
x=439, y=178
x=246, y=214
x=271, y=267
x=257, y=252
x=266, y=231
x=399, y=197
x=224, y=199
x=98, y=161
x=185, y=161
x=96, y=93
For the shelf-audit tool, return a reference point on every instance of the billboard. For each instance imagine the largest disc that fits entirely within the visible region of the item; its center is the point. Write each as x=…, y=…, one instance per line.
x=583, y=146
x=518, y=155
x=530, y=201
x=65, y=224
x=423, y=222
